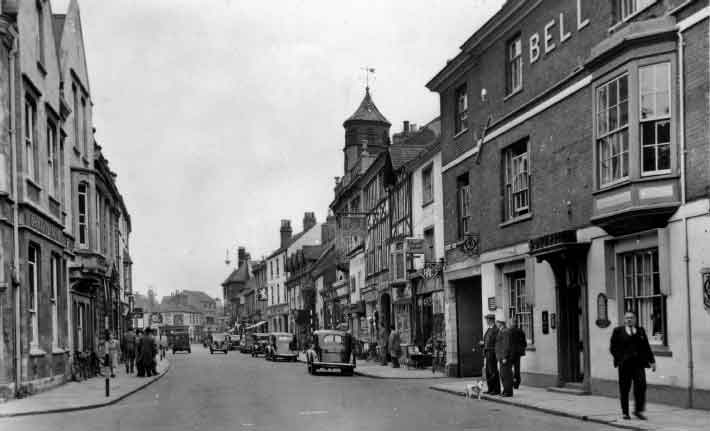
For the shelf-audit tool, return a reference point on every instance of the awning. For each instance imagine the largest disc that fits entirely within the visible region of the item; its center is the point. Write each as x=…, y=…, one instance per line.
x=256, y=325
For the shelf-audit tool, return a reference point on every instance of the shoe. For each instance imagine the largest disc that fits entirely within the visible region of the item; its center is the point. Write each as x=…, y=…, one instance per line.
x=506, y=395
x=491, y=393
x=640, y=416
x=516, y=386
x=113, y=376
x=626, y=416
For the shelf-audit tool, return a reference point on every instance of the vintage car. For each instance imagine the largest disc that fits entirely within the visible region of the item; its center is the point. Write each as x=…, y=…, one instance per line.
x=236, y=342
x=180, y=341
x=331, y=349
x=258, y=343
x=281, y=346
x=220, y=343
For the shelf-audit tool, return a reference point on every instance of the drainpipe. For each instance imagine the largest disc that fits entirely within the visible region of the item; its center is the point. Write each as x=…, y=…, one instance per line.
x=686, y=258
x=15, y=212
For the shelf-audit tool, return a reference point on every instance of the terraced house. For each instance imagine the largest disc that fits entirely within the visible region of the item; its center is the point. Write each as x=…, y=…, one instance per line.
x=65, y=270
x=575, y=150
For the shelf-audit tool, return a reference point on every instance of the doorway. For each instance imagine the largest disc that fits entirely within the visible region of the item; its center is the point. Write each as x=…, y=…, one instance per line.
x=385, y=311
x=469, y=324
x=571, y=346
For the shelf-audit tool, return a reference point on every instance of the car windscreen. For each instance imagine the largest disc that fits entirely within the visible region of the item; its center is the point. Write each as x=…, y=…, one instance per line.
x=333, y=339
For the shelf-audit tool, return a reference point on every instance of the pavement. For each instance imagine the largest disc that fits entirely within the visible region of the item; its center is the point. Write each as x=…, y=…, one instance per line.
x=88, y=394
x=238, y=392
x=374, y=369
x=597, y=409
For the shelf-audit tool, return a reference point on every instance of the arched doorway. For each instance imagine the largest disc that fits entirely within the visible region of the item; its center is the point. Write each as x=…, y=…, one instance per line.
x=386, y=311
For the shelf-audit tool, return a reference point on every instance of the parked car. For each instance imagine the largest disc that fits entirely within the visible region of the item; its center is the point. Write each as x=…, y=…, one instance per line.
x=235, y=342
x=331, y=349
x=281, y=346
x=220, y=343
x=260, y=340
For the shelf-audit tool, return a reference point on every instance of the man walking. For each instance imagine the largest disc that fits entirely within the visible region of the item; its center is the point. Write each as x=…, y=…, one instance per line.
x=140, y=371
x=520, y=343
x=383, y=343
x=395, y=347
x=128, y=350
x=504, y=354
x=632, y=355
x=489, y=352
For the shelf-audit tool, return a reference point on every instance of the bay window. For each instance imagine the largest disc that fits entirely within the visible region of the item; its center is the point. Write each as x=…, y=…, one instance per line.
x=655, y=114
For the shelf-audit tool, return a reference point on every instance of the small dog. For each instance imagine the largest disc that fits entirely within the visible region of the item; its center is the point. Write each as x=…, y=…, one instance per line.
x=474, y=389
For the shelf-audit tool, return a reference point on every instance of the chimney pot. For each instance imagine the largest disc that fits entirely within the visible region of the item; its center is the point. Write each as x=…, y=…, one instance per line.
x=405, y=126
x=309, y=220
x=286, y=232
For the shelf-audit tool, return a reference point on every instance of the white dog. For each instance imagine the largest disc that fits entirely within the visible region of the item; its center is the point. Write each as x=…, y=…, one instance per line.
x=474, y=389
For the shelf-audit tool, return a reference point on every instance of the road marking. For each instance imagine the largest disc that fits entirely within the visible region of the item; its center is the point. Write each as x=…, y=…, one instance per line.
x=313, y=412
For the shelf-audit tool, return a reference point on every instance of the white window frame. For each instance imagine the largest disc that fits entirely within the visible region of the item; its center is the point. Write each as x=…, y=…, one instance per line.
x=605, y=134
x=33, y=257
x=630, y=8
x=514, y=60
x=461, y=111
x=83, y=225
x=516, y=169
x=54, y=285
x=31, y=167
x=657, y=119
x=518, y=306
x=428, y=184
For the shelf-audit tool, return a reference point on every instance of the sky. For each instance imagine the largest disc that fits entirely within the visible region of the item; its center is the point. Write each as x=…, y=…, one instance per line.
x=222, y=117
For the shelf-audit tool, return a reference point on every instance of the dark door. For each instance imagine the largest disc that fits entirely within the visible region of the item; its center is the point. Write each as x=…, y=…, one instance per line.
x=469, y=321
x=571, y=347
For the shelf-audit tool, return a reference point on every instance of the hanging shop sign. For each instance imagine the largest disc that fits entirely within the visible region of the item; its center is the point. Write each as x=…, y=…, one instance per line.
x=431, y=270
x=470, y=244
x=415, y=245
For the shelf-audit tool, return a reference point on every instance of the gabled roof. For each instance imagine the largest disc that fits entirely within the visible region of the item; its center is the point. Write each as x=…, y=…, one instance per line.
x=170, y=307
x=239, y=275
x=408, y=150
x=199, y=295
x=367, y=111
x=58, y=27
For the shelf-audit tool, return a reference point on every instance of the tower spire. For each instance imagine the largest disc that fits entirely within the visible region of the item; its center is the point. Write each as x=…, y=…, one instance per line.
x=368, y=70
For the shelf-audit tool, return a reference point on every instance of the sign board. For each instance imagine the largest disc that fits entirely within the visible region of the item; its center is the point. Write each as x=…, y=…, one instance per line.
x=156, y=318
x=545, y=322
x=415, y=245
x=470, y=244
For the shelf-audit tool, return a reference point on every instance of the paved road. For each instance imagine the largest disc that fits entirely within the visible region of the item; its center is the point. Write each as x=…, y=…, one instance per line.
x=237, y=392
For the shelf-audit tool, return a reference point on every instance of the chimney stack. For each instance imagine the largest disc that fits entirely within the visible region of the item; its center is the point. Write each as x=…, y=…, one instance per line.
x=309, y=220
x=328, y=229
x=286, y=232
x=405, y=127
x=242, y=256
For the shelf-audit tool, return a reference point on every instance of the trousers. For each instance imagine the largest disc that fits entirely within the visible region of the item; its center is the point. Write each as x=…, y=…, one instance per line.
x=492, y=375
x=506, y=377
x=632, y=373
x=516, y=371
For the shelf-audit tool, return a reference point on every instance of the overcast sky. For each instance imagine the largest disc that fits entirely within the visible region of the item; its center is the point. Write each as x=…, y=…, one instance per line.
x=222, y=117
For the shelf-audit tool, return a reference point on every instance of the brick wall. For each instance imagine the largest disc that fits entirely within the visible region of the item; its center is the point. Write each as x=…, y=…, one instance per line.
x=697, y=102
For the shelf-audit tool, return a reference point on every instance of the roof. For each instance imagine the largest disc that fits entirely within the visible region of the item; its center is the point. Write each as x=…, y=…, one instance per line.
x=408, y=150
x=283, y=249
x=169, y=307
x=367, y=111
x=239, y=275
x=58, y=27
x=202, y=296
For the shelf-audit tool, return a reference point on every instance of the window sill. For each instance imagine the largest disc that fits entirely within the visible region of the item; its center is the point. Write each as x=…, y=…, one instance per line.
x=32, y=182
x=58, y=351
x=643, y=179
x=426, y=204
x=522, y=218
x=512, y=94
x=36, y=351
x=460, y=132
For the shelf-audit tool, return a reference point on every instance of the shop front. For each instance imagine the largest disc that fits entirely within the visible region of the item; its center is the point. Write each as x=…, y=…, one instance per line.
x=402, y=311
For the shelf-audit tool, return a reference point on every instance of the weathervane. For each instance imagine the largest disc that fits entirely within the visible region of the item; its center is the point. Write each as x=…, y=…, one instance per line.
x=368, y=70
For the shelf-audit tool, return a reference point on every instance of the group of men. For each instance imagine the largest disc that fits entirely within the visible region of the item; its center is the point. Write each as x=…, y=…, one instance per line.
x=139, y=348
x=503, y=347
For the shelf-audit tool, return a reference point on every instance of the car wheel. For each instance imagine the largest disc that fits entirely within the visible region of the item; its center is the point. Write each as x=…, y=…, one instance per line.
x=211, y=352
x=189, y=350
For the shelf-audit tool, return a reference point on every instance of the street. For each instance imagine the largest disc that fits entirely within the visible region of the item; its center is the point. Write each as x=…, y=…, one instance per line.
x=238, y=392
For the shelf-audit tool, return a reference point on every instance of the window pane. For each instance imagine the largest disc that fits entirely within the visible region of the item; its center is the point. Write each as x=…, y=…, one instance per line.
x=648, y=133
x=613, y=118
x=649, y=159
x=664, y=157
x=623, y=113
x=661, y=76
x=646, y=82
x=613, y=95
x=623, y=88
x=647, y=110
x=664, y=132
x=662, y=104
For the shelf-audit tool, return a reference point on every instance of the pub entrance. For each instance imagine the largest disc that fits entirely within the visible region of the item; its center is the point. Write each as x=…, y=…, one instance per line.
x=567, y=259
x=469, y=324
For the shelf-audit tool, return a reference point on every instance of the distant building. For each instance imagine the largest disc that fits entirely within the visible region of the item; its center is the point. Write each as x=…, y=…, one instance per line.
x=234, y=289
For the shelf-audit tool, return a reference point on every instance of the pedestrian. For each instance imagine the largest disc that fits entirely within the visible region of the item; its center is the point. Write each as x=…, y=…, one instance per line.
x=632, y=355
x=520, y=343
x=128, y=350
x=140, y=371
x=489, y=352
x=154, y=354
x=504, y=354
x=395, y=346
x=383, y=343
x=163, y=346
x=110, y=352
x=147, y=352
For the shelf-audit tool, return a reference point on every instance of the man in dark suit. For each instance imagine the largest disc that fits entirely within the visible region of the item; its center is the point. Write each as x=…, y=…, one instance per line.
x=632, y=355
x=489, y=350
x=504, y=354
x=520, y=343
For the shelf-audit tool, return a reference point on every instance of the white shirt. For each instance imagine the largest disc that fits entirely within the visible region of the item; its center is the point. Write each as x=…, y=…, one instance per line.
x=631, y=330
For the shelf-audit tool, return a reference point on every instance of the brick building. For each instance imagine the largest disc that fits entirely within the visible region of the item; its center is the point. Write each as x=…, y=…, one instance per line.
x=234, y=289
x=574, y=152
x=276, y=303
